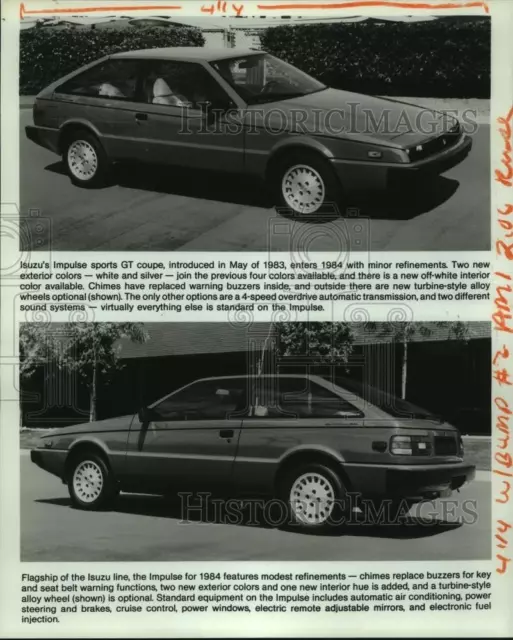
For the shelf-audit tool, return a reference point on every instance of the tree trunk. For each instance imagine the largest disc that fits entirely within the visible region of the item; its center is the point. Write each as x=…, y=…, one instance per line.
x=92, y=394
x=261, y=362
x=404, y=369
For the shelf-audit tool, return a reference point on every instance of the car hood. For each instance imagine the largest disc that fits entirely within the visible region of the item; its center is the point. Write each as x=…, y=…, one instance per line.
x=346, y=114
x=111, y=424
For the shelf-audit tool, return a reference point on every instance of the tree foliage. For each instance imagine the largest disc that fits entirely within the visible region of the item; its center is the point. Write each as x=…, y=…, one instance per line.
x=324, y=342
x=89, y=350
x=439, y=58
x=48, y=53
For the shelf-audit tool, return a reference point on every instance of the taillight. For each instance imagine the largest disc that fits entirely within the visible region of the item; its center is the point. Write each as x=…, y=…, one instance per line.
x=410, y=445
x=462, y=448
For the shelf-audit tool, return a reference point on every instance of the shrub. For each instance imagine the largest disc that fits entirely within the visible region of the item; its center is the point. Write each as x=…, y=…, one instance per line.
x=47, y=54
x=442, y=58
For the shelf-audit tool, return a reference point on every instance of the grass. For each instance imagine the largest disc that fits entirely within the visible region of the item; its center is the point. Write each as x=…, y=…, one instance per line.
x=30, y=438
x=477, y=450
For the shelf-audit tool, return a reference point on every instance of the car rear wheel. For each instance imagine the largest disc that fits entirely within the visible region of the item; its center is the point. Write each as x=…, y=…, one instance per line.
x=86, y=162
x=307, y=186
x=91, y=484
x=314, y=494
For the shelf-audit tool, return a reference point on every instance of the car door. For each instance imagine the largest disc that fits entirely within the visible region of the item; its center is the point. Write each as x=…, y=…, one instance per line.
x=106, y=98
x=190, y=438
x=288, y=413
x=185, y=120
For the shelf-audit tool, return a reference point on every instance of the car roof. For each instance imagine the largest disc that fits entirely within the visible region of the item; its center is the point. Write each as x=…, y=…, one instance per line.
x=265, y=375
x=188, y=53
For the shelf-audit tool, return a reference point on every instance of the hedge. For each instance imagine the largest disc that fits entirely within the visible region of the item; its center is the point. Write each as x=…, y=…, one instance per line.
x=47, y=54
x=443, y=58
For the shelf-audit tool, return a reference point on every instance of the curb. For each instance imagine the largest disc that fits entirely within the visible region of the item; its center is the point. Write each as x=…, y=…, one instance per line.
x=479, y=107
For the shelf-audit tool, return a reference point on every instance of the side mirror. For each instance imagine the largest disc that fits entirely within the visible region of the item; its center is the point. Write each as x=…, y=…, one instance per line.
x=205, y=105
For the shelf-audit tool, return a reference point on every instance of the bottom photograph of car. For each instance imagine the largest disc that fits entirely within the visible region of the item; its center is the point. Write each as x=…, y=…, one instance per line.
x=276, y=430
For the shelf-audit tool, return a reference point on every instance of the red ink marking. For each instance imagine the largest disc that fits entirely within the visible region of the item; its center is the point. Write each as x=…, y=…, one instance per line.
x=73, y=10
x=504, y=563
x=505, y=176
x=374, y=3
x=502, y=377
x=504, y=493
x=502, y=313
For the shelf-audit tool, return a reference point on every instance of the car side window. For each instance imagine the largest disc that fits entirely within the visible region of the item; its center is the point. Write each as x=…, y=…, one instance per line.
x=303, y=398
x=207, y=400
x=181, y=84
x=114, y=79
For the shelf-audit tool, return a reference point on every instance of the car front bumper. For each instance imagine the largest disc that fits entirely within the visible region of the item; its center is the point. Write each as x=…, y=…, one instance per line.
x=369, y=177
x=51, y=460
x=44, y=137
x=409, y=481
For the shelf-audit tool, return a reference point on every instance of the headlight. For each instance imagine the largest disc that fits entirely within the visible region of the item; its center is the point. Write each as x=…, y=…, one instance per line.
x=410, y=445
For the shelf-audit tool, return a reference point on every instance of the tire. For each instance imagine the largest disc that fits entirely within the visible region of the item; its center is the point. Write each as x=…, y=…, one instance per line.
x=312, y=481
x=322, y=195
x=80, y=145
x=91, y=483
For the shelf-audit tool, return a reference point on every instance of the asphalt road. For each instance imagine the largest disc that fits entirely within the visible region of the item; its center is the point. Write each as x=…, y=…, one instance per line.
x=173, y=210
x=148, y=528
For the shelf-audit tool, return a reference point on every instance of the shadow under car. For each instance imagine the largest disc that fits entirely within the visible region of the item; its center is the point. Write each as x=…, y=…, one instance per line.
x=403, y=200
x=244, y=513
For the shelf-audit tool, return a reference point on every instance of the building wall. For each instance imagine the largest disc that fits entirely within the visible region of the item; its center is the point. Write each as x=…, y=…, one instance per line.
x=451, y=379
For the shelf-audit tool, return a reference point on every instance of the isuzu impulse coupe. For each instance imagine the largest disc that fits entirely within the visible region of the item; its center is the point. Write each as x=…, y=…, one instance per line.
x=240, y=111
x=299, y=438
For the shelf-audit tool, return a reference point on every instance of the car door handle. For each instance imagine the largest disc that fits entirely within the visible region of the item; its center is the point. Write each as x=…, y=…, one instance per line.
x=141, y=116
x=226, y=433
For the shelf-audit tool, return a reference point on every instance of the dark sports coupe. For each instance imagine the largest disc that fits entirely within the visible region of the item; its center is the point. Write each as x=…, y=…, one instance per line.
x=299, y=438
x=240, y=111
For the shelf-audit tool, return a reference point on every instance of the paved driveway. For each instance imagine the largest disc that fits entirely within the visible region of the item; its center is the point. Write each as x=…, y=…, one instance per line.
x=148, y=528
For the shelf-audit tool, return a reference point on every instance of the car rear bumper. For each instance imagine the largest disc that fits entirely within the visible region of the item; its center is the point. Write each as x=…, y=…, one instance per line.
x=409, y=481
x=370, y=177
x=50, y=460
x=44, y=137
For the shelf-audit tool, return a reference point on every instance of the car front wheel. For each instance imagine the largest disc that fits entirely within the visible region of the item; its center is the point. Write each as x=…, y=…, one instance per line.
x=90, y=482
x=86, y=162
x=307, y=186
x=315, y=495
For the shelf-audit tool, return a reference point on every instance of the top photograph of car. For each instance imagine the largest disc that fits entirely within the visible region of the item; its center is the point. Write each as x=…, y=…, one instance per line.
x=224, y=131
x=163, y=105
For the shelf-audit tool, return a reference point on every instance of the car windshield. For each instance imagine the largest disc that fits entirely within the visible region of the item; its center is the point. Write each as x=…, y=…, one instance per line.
x=386, y=401
x=263, y=78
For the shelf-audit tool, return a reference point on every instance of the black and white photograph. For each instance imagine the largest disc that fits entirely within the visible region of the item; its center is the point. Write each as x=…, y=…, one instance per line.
x=240, y=133
x=258, y=441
